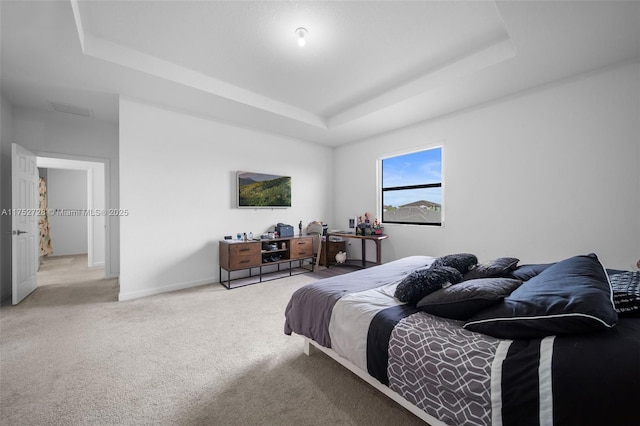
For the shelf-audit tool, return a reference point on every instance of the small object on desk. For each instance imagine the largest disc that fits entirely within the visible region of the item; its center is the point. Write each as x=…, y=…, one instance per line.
x=300, y=227
x=341, y=257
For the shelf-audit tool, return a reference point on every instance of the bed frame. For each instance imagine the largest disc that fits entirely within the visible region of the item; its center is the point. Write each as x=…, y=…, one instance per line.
x=310, y=346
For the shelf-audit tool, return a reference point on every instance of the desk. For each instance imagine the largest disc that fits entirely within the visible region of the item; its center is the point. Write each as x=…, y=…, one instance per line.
x=364, y=238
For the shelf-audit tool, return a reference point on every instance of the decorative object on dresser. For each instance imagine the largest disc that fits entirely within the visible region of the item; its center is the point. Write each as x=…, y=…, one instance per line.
x=258, y=254
x=284, y=230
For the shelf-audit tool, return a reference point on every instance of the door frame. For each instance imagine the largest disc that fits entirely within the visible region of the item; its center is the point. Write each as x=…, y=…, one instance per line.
x=107, y=201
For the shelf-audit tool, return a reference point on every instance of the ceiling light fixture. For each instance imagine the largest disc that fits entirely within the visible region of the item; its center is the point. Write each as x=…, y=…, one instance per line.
x=301, y=33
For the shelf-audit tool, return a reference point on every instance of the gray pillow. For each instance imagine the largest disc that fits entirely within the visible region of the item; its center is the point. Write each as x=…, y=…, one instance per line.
x=423, y=281
x=501, y=267
x=463, y=262
x=462, y=301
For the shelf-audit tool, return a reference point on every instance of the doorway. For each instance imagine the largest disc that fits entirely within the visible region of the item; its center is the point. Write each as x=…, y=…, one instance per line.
x=86, y=209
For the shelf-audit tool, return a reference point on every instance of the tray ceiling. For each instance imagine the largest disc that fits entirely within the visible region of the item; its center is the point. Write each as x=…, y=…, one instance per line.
x=367, y=68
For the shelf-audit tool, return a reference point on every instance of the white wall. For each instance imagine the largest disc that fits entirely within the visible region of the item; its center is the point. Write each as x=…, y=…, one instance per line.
x=177, y=180
x=67, y=191
x=540, y=176
x=62, y=135
x=6, y=138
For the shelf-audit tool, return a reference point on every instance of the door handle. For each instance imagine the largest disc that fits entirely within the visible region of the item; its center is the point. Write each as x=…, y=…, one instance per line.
x=18, y=232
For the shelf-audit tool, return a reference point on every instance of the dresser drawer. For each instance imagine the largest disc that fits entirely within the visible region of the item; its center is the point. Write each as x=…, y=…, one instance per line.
x=241, y=262
x=301, y=248
x=244, y=249
x=235, y=256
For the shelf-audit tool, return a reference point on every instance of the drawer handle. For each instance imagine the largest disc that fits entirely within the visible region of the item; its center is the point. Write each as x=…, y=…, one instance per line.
x=302, y=252
x=244, y=261
x=245, y=249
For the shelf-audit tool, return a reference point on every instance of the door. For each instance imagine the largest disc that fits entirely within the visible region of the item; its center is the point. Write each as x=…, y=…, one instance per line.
x=24, y=223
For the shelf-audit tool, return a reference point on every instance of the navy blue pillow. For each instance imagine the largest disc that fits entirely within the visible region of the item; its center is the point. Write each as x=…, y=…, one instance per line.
x=571, y=296
x=526, y=272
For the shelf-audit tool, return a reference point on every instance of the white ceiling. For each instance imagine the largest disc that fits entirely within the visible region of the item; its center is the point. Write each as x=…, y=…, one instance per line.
x=367, y=68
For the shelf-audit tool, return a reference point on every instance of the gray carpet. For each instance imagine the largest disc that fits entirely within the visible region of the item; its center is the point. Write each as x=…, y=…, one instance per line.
x=72, y=355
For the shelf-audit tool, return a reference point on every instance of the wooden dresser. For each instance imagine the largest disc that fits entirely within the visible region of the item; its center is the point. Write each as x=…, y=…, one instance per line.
x=289, y=252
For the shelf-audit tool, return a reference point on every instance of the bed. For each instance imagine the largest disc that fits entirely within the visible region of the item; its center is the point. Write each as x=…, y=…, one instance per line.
x=485, y=357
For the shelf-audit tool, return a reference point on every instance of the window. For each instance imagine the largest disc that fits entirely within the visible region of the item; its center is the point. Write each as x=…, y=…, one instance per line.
x=411, y=188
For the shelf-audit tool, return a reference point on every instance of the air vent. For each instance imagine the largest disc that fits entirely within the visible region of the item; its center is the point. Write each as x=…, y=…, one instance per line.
x=70, y=109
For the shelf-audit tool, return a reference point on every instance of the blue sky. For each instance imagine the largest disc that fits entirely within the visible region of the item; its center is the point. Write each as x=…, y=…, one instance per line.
x=413, y=169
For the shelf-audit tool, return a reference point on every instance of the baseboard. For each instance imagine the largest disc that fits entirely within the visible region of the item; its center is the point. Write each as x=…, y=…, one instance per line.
x=165, y=289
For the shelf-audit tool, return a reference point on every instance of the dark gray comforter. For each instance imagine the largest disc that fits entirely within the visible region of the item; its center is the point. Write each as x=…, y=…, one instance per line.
x=309, y=310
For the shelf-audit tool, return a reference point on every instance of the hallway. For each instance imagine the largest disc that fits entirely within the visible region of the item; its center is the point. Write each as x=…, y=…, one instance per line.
x=67, y=270
x=62, y=279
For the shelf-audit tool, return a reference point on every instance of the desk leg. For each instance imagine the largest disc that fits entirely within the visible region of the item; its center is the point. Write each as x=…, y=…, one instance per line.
x=378, y=254
x=364, y=253
x=326, y=253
